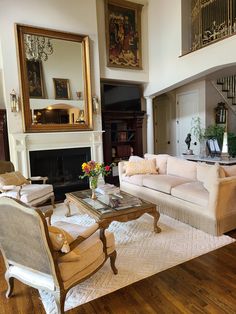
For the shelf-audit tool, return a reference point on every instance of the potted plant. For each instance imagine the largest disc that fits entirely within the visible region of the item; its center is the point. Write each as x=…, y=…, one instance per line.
x=199, y=134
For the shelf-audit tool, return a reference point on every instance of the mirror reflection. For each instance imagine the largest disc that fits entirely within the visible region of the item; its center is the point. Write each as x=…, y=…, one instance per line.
x=55, y=79
x=55, y=87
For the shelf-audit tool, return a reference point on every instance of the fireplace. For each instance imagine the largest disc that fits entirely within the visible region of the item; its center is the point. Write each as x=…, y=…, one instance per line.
x=62, y=167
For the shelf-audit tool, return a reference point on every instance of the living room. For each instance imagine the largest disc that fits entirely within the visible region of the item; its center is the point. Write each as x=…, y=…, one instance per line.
x=165, y=68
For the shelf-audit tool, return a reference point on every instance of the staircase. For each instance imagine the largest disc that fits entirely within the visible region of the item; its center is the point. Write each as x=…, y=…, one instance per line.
x=226, y=87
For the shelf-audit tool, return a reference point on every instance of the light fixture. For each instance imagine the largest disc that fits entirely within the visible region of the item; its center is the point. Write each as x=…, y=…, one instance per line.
x=14, y=101
x=95, y=104
x=37, y=48
x=221, y=113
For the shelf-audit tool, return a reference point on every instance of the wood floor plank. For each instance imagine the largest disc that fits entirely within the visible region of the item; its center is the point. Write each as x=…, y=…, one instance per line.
x=206, y=284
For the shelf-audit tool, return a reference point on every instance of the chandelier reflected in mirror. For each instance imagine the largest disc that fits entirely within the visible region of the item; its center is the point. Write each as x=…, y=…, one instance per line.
x=37, y=48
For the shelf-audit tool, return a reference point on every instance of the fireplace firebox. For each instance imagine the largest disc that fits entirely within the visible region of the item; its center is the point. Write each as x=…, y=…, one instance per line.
x=62, y=167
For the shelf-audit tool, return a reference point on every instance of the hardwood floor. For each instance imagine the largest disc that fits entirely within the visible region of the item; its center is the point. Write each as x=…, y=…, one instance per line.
x=206, y=284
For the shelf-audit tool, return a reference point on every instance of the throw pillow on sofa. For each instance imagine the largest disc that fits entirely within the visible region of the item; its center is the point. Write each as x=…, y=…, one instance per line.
x=141, y=167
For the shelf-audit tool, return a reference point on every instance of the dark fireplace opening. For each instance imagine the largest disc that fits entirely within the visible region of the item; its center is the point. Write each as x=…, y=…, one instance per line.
x=62, y=167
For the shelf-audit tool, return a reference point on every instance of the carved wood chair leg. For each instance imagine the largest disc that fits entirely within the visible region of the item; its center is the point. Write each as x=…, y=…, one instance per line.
x=60, y=297
x=112, y=262
x=10, y=284
x=53, y=201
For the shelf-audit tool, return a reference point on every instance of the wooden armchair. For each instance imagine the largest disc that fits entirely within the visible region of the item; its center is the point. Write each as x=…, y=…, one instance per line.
x=14, y=184
x=32, y=250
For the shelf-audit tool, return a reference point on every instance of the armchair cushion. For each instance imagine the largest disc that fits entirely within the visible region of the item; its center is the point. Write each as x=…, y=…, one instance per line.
x=85, y=255
x=76, y=230
x=31, y=192
x=62, y=234
x=13, y=178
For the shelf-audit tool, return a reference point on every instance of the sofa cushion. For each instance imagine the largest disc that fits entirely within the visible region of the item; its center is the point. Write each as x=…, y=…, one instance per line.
x=141, y=167
x=212, y=175
x=163, y=183
x=192, y=192
x=182, y=168
x=161, y=161
x=136, y=179
x=135, y=158
x=230, y=171
x=203, y=169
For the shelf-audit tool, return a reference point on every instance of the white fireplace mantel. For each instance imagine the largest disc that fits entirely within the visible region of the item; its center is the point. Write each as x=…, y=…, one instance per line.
x=23, y=143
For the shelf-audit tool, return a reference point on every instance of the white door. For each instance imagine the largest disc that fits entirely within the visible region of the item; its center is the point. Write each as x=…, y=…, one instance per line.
x=187, y=105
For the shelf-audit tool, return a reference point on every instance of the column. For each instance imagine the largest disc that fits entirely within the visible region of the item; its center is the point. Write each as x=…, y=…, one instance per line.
x=150, y=130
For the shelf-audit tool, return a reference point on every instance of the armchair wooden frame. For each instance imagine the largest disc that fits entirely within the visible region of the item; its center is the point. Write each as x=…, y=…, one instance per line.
x=44, y=268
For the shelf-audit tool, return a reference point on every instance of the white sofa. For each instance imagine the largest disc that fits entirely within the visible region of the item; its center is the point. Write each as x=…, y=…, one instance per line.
x=201, y=195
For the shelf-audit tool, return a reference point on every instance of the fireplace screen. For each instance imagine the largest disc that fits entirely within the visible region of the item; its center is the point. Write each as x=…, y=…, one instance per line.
x=62, y=167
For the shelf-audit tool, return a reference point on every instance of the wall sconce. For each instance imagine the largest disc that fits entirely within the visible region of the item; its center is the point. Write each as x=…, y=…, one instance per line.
x=95, y=104
x=14, y=101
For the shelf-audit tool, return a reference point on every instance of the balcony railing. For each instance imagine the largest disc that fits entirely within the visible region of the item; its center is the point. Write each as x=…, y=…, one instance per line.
x=211, y=20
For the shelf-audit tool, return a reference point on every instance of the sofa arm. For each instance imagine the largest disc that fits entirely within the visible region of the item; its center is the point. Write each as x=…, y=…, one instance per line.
x=222, y=197
x=121, y=168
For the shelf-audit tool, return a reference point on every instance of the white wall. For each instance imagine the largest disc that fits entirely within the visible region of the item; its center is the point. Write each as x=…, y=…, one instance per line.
x=166, y=67
x=121, y=73
x=71, y=16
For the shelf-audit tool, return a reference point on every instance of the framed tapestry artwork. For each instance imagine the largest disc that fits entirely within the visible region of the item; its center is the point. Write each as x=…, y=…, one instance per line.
x=35, y=79
x=61, y=88
x=123, y=34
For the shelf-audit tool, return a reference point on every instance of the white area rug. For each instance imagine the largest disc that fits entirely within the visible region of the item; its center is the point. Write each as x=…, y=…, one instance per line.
x=140, y=253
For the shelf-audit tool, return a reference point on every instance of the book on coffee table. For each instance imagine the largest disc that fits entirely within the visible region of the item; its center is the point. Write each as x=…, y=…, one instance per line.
x=117, y=202
x=107, y=189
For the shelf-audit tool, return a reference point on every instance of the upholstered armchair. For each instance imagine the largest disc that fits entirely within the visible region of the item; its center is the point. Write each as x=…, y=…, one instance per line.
x=14, y=184
x=52, y=258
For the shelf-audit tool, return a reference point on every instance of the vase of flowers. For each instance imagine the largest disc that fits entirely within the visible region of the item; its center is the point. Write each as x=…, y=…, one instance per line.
x=92, y=170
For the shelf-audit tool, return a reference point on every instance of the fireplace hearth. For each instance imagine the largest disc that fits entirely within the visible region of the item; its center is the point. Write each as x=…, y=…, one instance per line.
x=62, y=167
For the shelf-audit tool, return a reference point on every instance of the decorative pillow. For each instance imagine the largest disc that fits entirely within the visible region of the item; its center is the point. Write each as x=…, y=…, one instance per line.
x=181, y=168
x=141, y=167
x=13, y=178
x=60, y=239
x=161, y=161
x=212, y=175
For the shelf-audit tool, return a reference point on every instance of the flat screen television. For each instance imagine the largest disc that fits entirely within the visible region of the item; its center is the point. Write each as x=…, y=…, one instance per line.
x=121, y=97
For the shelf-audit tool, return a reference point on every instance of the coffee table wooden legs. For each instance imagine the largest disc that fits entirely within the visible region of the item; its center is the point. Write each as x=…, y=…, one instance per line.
x=156, y=215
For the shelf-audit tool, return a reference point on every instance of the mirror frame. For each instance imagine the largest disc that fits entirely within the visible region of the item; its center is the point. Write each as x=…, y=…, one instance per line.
x=24, y=85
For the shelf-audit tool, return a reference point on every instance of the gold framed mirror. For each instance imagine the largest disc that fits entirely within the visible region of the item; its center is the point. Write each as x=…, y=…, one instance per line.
x=54, y=69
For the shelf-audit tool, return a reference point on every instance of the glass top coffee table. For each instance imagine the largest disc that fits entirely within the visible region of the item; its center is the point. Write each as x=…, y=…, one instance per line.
x=120, y=207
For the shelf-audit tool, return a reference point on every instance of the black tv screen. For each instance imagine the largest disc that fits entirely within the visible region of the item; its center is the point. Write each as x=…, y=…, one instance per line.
x=121, y=97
